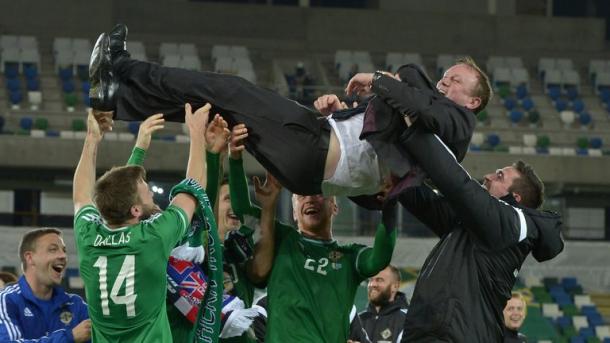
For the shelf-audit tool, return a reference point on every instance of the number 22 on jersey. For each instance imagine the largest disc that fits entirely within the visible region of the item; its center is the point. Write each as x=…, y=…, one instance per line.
x=126, y=275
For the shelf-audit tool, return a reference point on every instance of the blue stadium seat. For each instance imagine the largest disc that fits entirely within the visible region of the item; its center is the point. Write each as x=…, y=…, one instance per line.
x=604, y=94
x=584, y=119
x=26, y=123
x=13, y=84
x=68, y=86
x=30, y=71
x=527, y=104
x=133, y=127
x=515, y=116
x=510, y=104
x=85, y=86
x=554, y=92
x=588, y=309
x=521, y=91
x=11, y=71
x=596, y=142
x=493, y=140
x=561, y=105
x=586, y=332
x=33, y=85
x=563, y=321
x=66, y=73
x=569, y=282
x=52, y=133
x=578, y=105
x=595, y=319
x=582, y=151
x=572, y=92
x=577, y=339
x=606, y=340
x=15, y=97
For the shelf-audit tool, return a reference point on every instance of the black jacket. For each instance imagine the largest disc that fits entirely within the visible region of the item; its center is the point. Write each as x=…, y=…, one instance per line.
x=417, y=97
x=466, y=280
x=512, y=336
x=385, y=326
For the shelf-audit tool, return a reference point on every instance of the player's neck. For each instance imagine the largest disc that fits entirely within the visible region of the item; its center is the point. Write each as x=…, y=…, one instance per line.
x=40, y=291
x=130, y=222
x=324, y=234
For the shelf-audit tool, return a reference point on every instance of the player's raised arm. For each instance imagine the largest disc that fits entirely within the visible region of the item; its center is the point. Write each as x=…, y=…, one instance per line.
x=84, y=175
x=196, y=168
x=147, y=128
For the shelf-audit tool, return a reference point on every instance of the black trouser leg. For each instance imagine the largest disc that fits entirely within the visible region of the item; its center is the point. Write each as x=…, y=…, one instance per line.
x=285, y=137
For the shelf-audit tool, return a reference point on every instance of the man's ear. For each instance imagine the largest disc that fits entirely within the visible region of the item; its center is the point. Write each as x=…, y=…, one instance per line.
x=474, y=103
x=27, y=256
x=517, y=197
x=136, y=211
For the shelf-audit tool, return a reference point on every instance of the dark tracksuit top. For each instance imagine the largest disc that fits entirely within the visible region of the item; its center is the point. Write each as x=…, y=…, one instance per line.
x=384, y=326
x=466, y=280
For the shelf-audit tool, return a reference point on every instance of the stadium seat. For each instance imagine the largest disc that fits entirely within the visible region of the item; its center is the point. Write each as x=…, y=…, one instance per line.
x=584, y=119
x=191, y=63
x=133, y=127
x=13, y=85
x=570, y=310
x=602, y=331
x=529, y=139
x=493, y=140
x=41, y=124
x=564, y=64
x=553, y=77
x=545, y=64
x=543, y=141
x=510, y=104
x=187, y=49
x=527, y=104
x=501, y=76
x=595, y=143
x=551, y=310
x=513, y=62
x=580, y=322
x=477, y=140
x=596, y=66
x=35, y=99
x=561, y=105
x=167, y=48
x=15, y=98
x=515, y=116
x=172, y=61
x=26, y=123
x=32, y=85
x=78, y=125
x=570, y=78
x=578, y=105
x=519, y=76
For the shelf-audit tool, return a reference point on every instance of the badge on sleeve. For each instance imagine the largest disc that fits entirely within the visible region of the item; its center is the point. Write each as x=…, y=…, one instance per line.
x=65, y=317
x=386, y=333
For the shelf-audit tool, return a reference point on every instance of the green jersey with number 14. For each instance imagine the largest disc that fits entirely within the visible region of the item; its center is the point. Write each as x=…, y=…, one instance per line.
x=124, y=271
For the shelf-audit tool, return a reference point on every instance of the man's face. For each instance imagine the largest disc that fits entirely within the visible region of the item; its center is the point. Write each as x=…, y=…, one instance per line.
x=458, y=84
x=147, y=203
x=313, y=212
x=382, y=288
x=227, y=220
x=499, y=182
x=514, y=313
x=48, y=260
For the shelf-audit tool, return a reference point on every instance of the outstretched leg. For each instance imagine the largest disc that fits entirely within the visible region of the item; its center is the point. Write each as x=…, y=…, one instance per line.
x=287, y=138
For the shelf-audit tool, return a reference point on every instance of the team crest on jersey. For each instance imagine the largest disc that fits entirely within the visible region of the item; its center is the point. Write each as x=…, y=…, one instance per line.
x=386, y=333
x=335, y=255
x=65, y=317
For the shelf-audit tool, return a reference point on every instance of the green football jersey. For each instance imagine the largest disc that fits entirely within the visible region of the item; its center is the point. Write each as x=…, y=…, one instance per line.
x=124, y=271
x=311, y=289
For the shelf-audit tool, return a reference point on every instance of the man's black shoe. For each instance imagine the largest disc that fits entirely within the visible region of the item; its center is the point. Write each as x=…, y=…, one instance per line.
x=118, y=41
x=103, y=86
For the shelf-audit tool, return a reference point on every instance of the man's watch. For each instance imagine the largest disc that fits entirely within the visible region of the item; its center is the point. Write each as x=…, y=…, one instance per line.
x=378, y=74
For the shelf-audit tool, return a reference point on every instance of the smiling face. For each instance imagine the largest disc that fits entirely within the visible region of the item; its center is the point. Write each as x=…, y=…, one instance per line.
x=313, y=214
x=47, y=261
x=227, y=220
x=458, y=84
x=499, y=182
x=382, y=287
x=514, y=313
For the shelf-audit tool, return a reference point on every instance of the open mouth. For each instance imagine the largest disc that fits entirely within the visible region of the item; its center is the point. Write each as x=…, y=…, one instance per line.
x=232, y=216
x=59, y=267
x=311, y=211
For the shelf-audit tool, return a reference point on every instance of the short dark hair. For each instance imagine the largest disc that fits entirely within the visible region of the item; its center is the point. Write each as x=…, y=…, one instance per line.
x=528, y=185
x=8, y=278
x=116, y=192
x=395, y=272
x=28, y=241
x=483, y=88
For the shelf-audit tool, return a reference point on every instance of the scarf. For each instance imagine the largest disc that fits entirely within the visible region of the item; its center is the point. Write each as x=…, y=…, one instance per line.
x=207, y=326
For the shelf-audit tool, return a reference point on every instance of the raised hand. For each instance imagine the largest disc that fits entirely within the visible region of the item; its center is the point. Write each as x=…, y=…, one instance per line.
x=360, y=84
x=197, y=121
x=217, y=135
x=93, y=127
x=267, y=193
x=236, y=144
x=328, y=103
x=104, y=119
x=150, y=125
